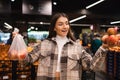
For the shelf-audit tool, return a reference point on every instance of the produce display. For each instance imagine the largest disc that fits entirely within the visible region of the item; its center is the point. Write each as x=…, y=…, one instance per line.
x=112, y=39
x=3, y=52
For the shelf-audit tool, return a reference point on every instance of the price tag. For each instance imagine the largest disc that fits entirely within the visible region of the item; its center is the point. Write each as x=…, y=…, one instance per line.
x=5, y=77
x=23, y=76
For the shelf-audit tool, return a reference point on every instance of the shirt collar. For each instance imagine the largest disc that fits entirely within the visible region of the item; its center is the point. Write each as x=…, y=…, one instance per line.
x=69, y=40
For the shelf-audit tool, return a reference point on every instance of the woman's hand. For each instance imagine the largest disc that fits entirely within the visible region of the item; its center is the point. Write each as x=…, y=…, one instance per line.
x=105, y=46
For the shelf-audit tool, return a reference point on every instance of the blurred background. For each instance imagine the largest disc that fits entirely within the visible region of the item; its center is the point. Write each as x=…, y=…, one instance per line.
x=35, y=15
x=88, y=18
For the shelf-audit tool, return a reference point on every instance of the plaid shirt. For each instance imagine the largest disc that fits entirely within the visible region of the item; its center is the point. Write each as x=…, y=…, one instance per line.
x=73, y=60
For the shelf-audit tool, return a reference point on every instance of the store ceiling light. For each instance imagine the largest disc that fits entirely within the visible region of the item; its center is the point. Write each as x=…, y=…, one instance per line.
x=8, y=26
x=115, y=22
x=94, y=4
x=76, y=19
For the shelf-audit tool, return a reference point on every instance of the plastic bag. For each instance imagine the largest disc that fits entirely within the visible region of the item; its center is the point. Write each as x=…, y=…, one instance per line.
x=18, y=48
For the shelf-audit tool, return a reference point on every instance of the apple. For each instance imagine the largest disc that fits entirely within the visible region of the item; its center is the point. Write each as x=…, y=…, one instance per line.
x=112, y=40
x=104, y=38
x=22, y=56
x=111, y=31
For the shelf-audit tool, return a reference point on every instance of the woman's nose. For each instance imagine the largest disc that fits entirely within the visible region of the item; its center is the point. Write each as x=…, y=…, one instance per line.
x=65, y=26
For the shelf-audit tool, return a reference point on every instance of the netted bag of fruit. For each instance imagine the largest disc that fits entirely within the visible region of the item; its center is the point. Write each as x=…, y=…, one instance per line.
x=112, y=31
x=18, y=48
x=112, y=40
x=111, y=37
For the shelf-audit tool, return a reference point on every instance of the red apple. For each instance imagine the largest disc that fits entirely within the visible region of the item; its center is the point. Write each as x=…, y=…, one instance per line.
x=112, y=40
x=22, y=55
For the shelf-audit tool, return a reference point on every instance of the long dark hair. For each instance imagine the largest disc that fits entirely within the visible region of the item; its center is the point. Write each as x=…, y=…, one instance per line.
x=55, y=17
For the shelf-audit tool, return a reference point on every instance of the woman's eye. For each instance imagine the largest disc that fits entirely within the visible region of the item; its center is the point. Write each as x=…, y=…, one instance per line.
x=60, y=24
x=67, y=23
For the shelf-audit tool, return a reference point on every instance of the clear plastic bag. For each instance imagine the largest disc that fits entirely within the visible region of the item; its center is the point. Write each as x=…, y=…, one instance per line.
x=18, y=48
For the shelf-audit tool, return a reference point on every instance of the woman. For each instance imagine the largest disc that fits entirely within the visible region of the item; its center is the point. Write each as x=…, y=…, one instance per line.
x=60, y=55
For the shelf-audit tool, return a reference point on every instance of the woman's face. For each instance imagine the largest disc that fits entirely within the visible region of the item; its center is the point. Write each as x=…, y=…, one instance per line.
x=62, y=26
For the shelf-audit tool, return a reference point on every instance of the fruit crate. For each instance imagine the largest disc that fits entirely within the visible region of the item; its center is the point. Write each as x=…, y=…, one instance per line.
x=113, y=64
x=21, y=72
x=6, y=76
x=110, y=63
x=23, y=75
x=5, y=64
x=5, y=70
x=13, y=70
x=117, y=70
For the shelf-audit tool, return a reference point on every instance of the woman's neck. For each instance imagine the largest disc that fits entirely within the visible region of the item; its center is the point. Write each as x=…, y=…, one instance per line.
x=61, y=37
